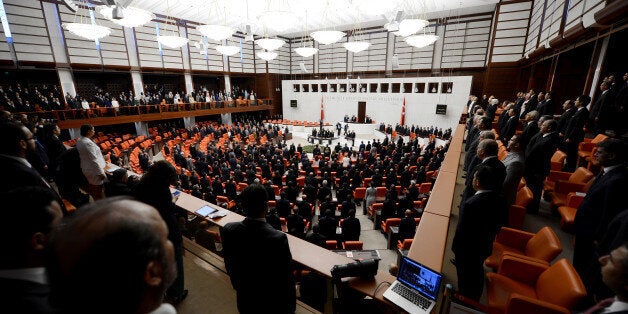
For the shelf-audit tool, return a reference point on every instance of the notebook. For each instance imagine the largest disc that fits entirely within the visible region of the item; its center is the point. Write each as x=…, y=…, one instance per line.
x=416, y=288
x=205, y=211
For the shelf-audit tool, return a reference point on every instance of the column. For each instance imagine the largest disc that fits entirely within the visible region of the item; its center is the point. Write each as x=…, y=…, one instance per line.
x=185, y=50
x=141, y=128
x=75, y=132
x=67, y=81
x=189, y=86
x=598, y=67
x=131, y=48
x=227, y=82
x=390, y=51
x=438, y=49
x=189, y=122
x=138, y=84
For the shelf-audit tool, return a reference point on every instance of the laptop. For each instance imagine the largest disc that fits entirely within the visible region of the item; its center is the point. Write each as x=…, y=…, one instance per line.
x=416, y=288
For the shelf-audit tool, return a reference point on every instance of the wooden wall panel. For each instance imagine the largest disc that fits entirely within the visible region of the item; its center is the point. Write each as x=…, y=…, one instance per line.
x=510, y=31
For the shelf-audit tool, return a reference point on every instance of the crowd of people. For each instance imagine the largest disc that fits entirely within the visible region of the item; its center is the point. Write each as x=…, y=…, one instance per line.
x=17, y=98
x=491, y=184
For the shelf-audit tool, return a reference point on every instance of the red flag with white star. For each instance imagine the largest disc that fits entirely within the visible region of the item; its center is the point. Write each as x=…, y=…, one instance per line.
x=322, y=110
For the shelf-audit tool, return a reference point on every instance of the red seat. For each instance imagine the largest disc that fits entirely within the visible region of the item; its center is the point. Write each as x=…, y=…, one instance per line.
x=352, y=245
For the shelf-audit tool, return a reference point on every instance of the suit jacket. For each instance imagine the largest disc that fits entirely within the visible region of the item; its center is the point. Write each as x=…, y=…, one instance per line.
x=480, y=218
x=564, y=119
x=471, y=137
x=24, y=296
x=258, y=260
x=574, y=128
x=407, y=228
x=499, y=170
x=509, y=129
x=351, y=229
x=538, y=155
x=605, y=199
x=530, y=130
x=514, y=163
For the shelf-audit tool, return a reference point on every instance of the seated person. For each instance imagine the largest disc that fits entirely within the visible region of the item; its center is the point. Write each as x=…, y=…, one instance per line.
x=273, y=220
x=407, y=226
x=315, y=237
x=296, y=226
x=328, y=225
x=351, y=227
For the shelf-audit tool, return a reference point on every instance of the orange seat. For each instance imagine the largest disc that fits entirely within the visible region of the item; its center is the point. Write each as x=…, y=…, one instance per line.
x=359, y=193
x=331, y=244
x=241, y=186
x=556, y=163
x=557, y=188
x=374, y=208
x=352, y=245
x=381, y=191
x=568, y=211
x=425, y=188
x=390, y=222
x=542, y=246
x=585, y=148
x=523, y=286
x=405, y=245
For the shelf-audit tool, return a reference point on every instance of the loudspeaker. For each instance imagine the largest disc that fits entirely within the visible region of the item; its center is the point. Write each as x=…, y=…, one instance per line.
x=395, y=61
x=303, y=68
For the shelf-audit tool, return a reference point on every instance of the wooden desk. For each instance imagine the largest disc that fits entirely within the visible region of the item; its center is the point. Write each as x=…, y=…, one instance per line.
x=428, y=247
x=303, y=252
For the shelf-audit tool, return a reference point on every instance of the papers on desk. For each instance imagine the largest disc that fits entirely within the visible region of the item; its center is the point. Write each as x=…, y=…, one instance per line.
x=205, y=211
x=218, y=214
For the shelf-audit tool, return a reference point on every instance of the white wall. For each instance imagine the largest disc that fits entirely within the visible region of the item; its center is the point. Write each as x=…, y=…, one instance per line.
x=382, y=107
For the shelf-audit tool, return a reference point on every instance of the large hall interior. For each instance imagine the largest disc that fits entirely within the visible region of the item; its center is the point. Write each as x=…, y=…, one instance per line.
x=314, y=156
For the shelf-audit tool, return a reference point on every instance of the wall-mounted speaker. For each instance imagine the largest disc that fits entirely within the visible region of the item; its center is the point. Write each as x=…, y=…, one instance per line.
x=395, y=61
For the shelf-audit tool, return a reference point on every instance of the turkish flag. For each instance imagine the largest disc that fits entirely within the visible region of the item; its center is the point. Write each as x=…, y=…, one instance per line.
x=403, y=112
x=322, y=110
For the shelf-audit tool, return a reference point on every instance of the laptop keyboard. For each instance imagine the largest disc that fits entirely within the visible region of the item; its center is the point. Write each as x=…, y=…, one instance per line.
x=411, y=296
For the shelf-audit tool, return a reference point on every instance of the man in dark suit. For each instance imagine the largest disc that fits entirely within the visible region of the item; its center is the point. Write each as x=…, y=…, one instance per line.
x=537, y=156
x=487, y=153
x=530, y=129
x=29, y=216
x=510, y=127
x=483, y=125
x=481, y=215
x=546, y=106
x=515, y=165
x=604, y=200
x=295, y=224
x=328, y=225
x=602, y=110
x=351, y=227
x=568, y=111
x=614, y=274
x=574, y=131
x=268, y=284
x=407, y=226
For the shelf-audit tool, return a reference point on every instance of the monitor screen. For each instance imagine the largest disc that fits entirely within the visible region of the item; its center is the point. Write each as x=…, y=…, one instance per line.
x=419, y=278
x=293, y=103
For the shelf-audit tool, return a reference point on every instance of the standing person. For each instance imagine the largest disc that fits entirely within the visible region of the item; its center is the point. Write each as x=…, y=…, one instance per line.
x=154, y=189
x=122, y=262
x=537, y=159
x=574, y=131
x=268, y=285
x=371, y=195
x=92, y=162
x=481, y=215
x=604, y=200
x=31, y=214
x=515, y=165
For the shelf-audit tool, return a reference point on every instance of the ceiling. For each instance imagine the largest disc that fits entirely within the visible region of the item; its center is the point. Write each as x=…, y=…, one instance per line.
x=319, y=14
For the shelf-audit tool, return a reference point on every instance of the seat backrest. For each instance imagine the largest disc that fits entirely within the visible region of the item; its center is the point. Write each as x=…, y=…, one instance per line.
x=581, y=175
x=557, y=160
x=524, y=197
x=353, y=245
x=544, y=245
x=390, y=222
x=359, y=193
x=560, y=285
x=599, y=138
x=425, y=188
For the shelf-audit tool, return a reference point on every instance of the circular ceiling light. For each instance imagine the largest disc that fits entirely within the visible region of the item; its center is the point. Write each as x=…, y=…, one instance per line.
x=270, y=44
x=356, y=46
x=306, y=52
x=216, y=32
x=132, y=16
x=172, y=42
x=327, y=37
x=420, y=41
x=87, y=31
x=228, y=50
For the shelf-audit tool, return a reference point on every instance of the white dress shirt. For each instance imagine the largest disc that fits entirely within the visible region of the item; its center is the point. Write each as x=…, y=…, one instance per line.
x=92, y=161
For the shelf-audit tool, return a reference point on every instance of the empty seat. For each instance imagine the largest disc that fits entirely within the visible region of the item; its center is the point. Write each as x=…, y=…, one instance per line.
x=542, y=246
x=405, y=245
x=352, y=245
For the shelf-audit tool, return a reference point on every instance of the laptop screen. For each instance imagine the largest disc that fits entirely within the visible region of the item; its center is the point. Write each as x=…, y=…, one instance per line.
x=419, y=278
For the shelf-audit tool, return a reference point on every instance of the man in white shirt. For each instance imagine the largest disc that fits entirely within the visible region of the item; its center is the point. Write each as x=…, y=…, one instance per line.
x=92, y=162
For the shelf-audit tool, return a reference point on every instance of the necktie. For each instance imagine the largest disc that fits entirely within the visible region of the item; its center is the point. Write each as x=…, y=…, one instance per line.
x=598, y=308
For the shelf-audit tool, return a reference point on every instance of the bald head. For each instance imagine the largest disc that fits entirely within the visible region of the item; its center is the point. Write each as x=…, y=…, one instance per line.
x=113, y=249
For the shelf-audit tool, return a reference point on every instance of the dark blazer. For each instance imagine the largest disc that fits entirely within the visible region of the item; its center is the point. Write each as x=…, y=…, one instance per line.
x=498, y=169
x=407, y=228
x=24, y=296
x=564, y=119
x=539, y=153
x=574, y=128
x=351, y=229
x=482, y=216
x=530, y=130
x=509, y=129
x=604, y=200
x=258, y=260
x=16, y=174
